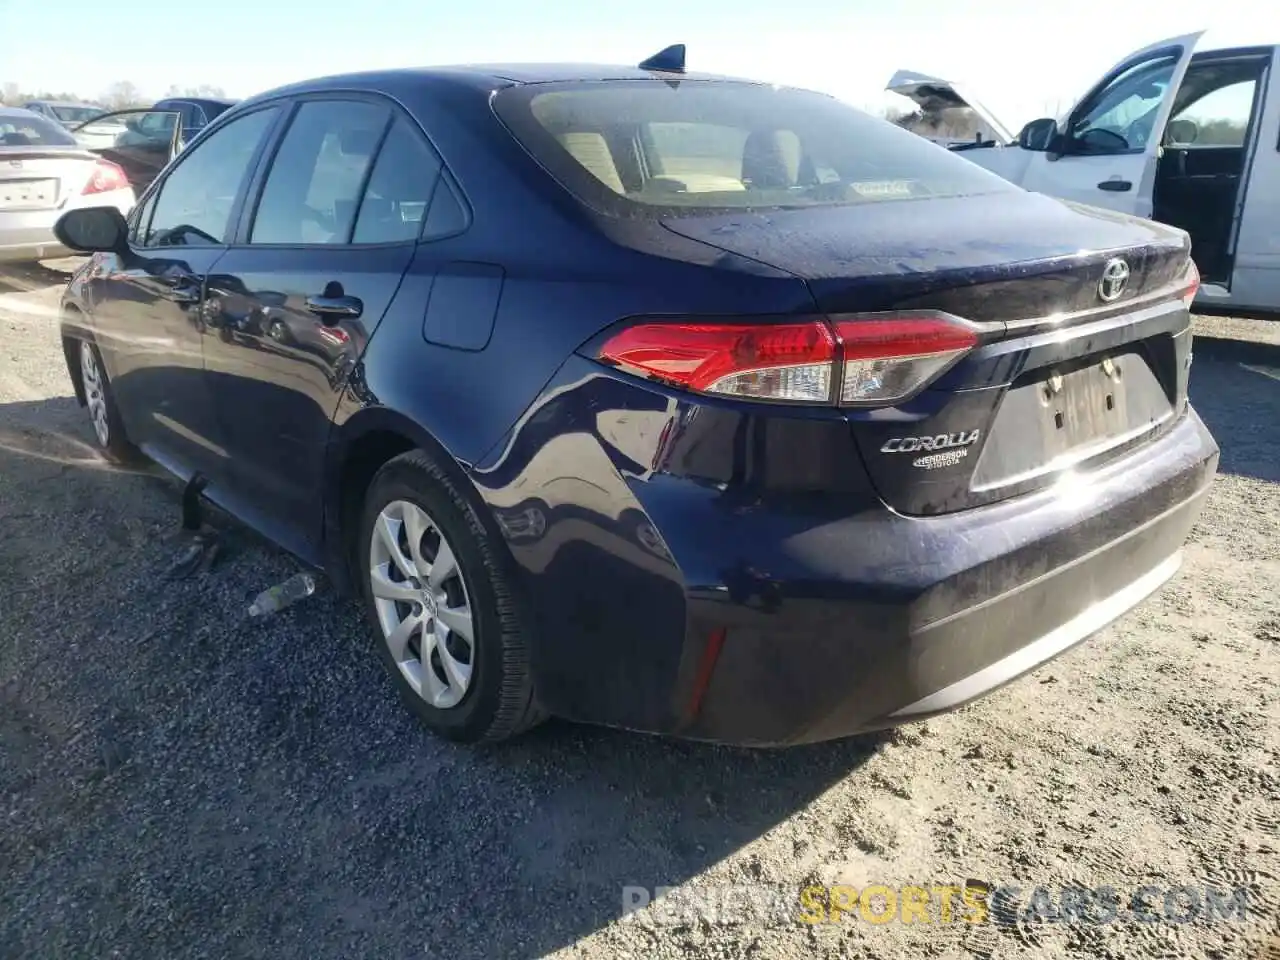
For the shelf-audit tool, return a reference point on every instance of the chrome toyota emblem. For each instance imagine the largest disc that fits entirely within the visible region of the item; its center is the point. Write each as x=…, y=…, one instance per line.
x=1115, y=277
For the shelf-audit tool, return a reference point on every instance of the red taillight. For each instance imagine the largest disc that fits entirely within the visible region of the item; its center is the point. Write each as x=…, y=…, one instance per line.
x=873, y=360
x=1193, y=284
x=106, y=176
x=887, y=360
x=785, y=361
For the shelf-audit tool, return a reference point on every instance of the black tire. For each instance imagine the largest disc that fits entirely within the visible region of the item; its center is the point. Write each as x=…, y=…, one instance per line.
x=499, y=702
x=116, y=445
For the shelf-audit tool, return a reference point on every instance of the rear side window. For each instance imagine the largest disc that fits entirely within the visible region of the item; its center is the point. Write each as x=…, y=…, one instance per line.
x=29, y=130
x=400, y=187
x=652, y=148
x=312, y=192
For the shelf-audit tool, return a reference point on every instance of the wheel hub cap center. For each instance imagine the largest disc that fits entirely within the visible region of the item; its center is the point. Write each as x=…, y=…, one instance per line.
x=429, y=605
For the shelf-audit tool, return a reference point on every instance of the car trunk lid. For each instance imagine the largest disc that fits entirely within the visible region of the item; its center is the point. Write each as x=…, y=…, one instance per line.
x=933, y=95
x=1062, y=377
x=40, y=178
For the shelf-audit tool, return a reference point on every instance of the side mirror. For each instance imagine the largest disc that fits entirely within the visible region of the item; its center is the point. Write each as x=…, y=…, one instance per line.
x=93, y=230
x=1038, y=135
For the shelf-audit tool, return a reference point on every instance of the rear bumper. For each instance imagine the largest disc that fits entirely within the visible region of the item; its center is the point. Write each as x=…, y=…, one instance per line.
x=43, y=247
x=1082, y=625
x=695, y=569
x=28, y=235
x=1003, y=594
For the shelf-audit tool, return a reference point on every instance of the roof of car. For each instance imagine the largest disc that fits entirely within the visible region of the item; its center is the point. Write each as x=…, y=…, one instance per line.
x=489, y=76
x=1206, y=50
x=66, y=103
x=19, y=112
x=559, y=72
x=200, y=100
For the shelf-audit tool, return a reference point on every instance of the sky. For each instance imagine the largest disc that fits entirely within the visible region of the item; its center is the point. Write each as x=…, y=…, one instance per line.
x=1023, y=58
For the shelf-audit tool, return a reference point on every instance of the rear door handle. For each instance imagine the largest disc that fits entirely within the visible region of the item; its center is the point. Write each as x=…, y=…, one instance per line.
x=1116, y=186
x=332, y=309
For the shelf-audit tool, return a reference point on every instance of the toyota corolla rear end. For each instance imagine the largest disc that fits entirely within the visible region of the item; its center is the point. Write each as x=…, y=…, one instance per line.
x=43, y=173
x=971, y=451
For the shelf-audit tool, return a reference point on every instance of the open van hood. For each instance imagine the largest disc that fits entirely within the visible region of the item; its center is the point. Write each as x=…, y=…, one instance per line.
x=933, y=93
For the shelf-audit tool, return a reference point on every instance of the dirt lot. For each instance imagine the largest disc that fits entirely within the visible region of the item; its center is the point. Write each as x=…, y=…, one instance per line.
x=178, y=781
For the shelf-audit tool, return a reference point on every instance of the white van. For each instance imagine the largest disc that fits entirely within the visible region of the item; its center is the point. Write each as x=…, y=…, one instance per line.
x=1186, y=138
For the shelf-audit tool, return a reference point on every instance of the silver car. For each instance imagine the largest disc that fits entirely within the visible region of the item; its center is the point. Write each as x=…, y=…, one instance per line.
x=65, y=112
x=45, y=172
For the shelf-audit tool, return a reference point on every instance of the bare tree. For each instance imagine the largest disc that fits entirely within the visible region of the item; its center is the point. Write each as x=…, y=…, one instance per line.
x=902, y=118
x=123, y=94
x=10, y=93
x=203, y=90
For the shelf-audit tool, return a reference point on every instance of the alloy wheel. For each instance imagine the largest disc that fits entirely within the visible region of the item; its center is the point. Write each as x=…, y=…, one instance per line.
x=421, y=601
x=94, y=392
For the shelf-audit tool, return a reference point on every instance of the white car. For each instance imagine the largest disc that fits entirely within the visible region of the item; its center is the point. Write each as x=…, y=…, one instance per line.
x=1177, y=135
x=44, y=173
x=65, y=112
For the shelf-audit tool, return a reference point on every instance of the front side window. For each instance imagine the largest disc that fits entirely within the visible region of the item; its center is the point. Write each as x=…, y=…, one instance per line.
x=312, y=191
x=641, y=148
x=194, y=204
x=1120, y=117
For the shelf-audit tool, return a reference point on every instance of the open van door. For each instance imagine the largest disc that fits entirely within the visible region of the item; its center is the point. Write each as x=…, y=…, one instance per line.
x=1106, y=150
x=140, y=141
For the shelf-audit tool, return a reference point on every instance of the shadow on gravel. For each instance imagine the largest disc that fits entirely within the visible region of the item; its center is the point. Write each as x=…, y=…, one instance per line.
x=177, y=780
x=28, y=277
x=1234, y=388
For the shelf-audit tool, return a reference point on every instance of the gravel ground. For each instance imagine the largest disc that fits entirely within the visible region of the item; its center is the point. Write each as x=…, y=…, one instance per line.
x=178, y=781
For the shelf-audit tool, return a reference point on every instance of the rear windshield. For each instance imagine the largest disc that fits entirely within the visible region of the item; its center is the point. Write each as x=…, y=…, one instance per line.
x=658, y=148
x=29, y=130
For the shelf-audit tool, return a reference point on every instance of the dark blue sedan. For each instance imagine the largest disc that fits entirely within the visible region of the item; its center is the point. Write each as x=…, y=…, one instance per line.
x=665, y=401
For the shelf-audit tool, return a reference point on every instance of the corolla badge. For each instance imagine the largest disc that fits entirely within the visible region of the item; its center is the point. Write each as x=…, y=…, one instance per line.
x=942, y=441
x=1115, y=277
